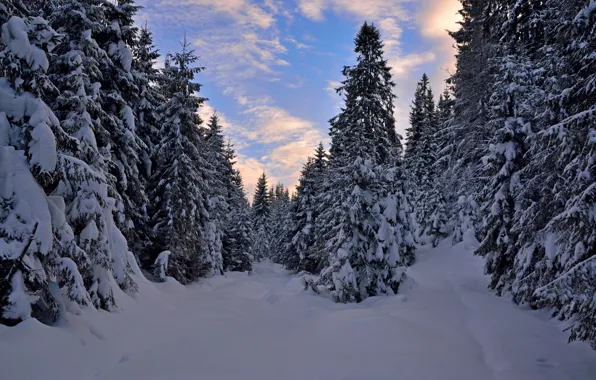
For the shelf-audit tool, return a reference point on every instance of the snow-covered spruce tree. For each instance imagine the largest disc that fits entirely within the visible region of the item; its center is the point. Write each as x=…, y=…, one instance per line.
x=417, y=119
x=218, y=174
x=85, y=182
x=35, y=243
x=511, y=112
x=148, y=99
x=280, y=222
x=147, y=78
x=559, y=271
x=531, y=28
x=178, y=193
x=301, y=228
x=302, y=253
x=418, y=155
x=475, y=41
x=238, y=243
x=118, y=96
x=447, y=185
x=427, y=192
x=261, y=214
x=366, y=227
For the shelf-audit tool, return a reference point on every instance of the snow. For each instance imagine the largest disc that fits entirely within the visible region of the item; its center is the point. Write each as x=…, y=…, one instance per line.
x=264, y=325
x=15, y=38
x=19, y=301
x=28, y=206
x=161, y=264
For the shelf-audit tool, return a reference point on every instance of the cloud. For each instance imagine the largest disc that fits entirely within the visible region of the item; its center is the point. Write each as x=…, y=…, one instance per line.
x=367, y=9
x=289, y=140
x=238, y=39
x=332, y=85
x=402, y=66
x=299, y=45
x=391, y=32
x=286, y=161
x=274, y=124
x=237, y=132
x=250, y=169
x=313, y=9
x=434, y=19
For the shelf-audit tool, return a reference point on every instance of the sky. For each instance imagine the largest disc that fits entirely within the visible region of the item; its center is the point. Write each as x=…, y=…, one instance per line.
x=271, y=66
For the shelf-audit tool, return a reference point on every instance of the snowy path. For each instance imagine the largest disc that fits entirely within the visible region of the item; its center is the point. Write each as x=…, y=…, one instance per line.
x=265, y=327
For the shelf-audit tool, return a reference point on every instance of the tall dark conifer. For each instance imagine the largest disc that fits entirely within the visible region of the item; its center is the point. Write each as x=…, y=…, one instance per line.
x=238, y=236
x=261, y=213
x=302, y=252
x=39, y=251
x=364, y=224
x=177, y=193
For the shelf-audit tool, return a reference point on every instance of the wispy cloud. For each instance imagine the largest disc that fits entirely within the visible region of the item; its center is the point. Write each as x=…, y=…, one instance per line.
x=313, y=9
x=434, y=19
x=299, y=45
x=403, y=66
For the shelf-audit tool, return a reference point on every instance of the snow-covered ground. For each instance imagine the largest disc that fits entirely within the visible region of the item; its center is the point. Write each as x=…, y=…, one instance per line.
x=265, y=326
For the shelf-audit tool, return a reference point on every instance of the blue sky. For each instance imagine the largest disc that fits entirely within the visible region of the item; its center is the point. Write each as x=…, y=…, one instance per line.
x=271, y=65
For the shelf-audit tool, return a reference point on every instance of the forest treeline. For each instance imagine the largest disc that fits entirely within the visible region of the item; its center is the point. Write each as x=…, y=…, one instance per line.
x=107, y=171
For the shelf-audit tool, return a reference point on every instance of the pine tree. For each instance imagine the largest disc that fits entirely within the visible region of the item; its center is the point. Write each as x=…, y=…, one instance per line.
x=177, y=192
x=118, y=95
x=146, y=79
x=476, y=40
x=426, y=190
x=555, y=265
x=237, y=241
x=302, y=253
x=524, y=101
x=91, y=200
x=280, y=223
x=365, y=223
x=261, y=213
x=217, y=172
x=35, y=242
x=417, y=120
x=510, y=119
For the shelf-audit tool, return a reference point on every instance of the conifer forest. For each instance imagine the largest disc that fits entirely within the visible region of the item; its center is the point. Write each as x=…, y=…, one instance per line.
x=119, y=203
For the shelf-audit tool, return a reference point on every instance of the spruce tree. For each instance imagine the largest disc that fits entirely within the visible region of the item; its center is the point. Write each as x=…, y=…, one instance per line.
x=261, y=213
x=177, y=187
x=238, y=239
x=118, y=96
x=38, y=248
x=147, y=79
x=91, y=198
x=302, y=253
x=555, y=265
x=217, y=172
x=475, y=41
x=280, y=223
x=426, y=190
x=365, y=222
x=510, y=119
x=149, y=98
x=520, y=139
